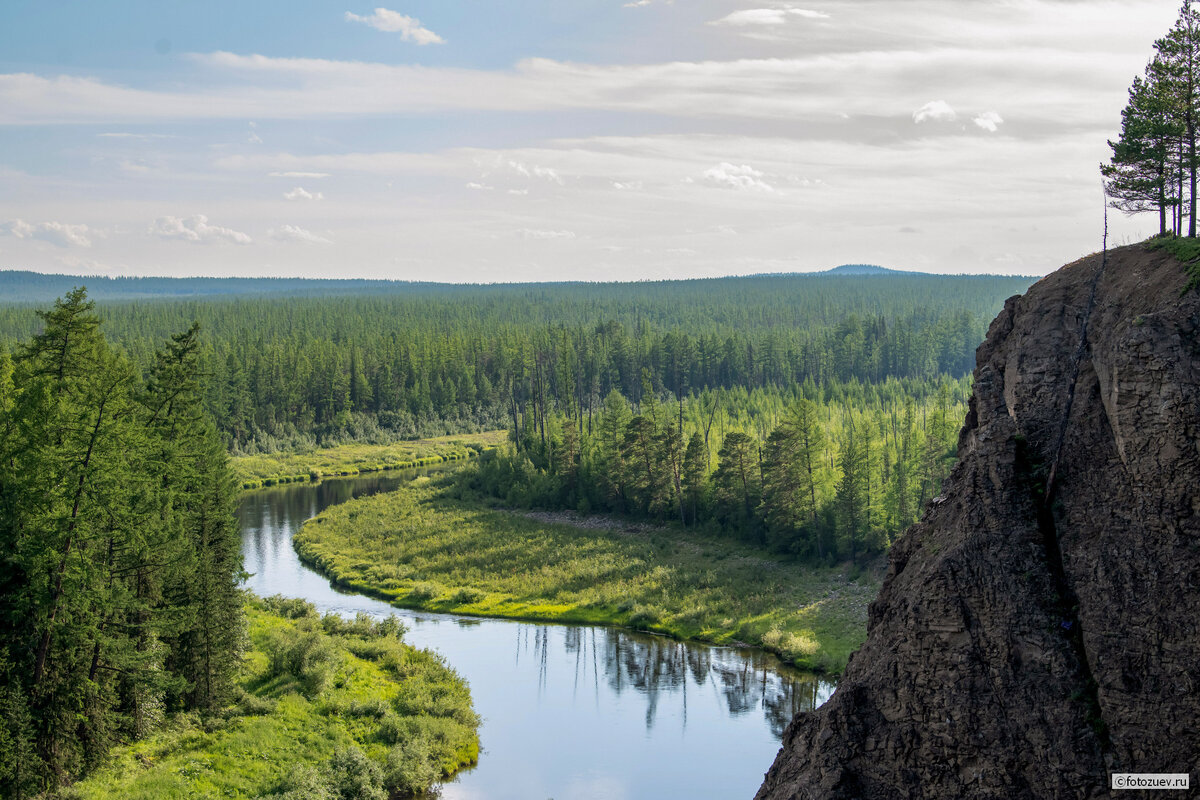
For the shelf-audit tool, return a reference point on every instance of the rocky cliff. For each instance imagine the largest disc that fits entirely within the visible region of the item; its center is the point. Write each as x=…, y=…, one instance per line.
x=1040, y=627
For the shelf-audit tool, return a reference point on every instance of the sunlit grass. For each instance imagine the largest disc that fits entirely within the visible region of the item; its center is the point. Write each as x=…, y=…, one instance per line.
x=423, y=547
x=256, y=471
x=359, y=688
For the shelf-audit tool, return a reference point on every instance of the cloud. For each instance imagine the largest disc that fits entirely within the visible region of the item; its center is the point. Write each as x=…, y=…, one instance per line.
x=936, y=110
x=410, y=29
x=545, y=173
x=196, y=229
x=767, y=16
x=988, y=121
x=253, y=138
x=731, y=176
x=529, y=233
x=294, y=174
x=291, y=233
x=62, y=234
x=300, y=193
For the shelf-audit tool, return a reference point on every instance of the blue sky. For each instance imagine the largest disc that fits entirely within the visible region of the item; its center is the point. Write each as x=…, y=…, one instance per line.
x=590, y=140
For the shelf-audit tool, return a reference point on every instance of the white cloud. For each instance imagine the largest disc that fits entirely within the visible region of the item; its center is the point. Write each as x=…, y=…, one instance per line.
x=479, y=187
x=253, y=137
x=529, y=233
x=410, y=29
x=18, y=228
x=988, y=121
x=292, y=233
x=196, y=229
x=300, y=193
x=62, y=234
x=545, y=173
x=294, y=174
x=767, y=16
x=935, y=110
x=732, y=176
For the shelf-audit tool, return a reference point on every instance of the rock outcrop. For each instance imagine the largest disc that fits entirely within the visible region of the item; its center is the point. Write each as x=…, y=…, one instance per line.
x=1039, y=629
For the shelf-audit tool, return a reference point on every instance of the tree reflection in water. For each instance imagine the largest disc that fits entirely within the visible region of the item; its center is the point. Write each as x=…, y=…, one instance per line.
x=653, y=666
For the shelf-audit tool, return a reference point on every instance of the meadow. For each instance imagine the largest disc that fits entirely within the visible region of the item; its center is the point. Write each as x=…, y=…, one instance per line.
x=269, y=469
x=433, y=545
x=327, y=708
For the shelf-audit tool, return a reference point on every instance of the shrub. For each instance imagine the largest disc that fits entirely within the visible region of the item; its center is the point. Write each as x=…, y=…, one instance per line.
x=421, y=592
x=250, y=705
x=304, y=783
x=289, y=607
x=307, y=656
x=353, y=776
x=467, y=595
x=411, y=768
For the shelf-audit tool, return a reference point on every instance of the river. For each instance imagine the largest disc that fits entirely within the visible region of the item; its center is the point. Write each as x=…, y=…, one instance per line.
x=569, y=712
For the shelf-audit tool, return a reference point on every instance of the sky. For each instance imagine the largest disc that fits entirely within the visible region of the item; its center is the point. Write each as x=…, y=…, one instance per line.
x=472, y=141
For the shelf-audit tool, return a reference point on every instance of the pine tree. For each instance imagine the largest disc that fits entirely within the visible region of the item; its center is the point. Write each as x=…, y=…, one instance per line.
x=851, y=490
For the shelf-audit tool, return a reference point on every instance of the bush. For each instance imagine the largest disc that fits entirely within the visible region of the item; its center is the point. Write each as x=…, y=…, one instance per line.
x=250, y=705
x=421, y=592
x=353, y=776
x=304, y=783
x=289, y=607
x=305, y=655
x=466, y=596
x=411, y=768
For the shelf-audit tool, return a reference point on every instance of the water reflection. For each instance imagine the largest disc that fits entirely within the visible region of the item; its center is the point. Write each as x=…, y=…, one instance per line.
x=745, y=681
x=569, y=711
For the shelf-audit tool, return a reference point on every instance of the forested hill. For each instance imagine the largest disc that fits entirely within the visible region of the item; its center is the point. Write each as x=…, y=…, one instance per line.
x=22, y=286
x=429, y=359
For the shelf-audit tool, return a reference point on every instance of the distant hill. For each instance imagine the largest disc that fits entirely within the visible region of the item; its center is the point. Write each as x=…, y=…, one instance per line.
x=866, y=269
x=21, y=286
x=25, y=287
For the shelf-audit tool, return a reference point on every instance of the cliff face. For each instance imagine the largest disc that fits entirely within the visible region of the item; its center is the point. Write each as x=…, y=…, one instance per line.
x=1026, y=645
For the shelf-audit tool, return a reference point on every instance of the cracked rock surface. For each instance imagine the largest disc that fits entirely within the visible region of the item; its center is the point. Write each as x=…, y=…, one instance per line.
x=1025, y=646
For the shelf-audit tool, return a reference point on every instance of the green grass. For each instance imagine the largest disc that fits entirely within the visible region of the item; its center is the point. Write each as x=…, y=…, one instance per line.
x=256, y=471
x=1186, y=250
x=311, y=688
x=423, y=547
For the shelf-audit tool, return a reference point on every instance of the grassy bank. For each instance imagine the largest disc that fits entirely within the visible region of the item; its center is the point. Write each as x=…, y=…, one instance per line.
x=423, y=547
x=328, y=708
x=256, y=471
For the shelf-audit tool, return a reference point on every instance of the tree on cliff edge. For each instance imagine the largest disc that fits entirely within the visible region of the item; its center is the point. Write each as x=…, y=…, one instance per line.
x=1153, y=163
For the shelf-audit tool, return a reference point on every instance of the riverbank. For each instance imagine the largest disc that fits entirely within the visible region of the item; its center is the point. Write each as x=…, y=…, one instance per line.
x=423, y=547
x=324, y=704
x=257, y=471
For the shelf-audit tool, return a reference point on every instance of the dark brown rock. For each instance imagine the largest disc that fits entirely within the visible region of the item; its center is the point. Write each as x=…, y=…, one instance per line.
x=1021, y=648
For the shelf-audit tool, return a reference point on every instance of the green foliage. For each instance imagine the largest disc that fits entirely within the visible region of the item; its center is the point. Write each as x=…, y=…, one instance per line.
x=415, y=362
x=390, y=719
x=121, y=555
x=1154, y=161
x=673, y=581
x=312, y=464
x=1186, y=251
x=820, y=475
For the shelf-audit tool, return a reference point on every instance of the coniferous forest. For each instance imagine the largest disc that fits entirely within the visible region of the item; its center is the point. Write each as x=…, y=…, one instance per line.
x=119, y=581
x=812, y=416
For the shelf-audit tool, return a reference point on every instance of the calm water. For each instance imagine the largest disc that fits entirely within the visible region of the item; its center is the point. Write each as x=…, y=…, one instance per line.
x=570, y=712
